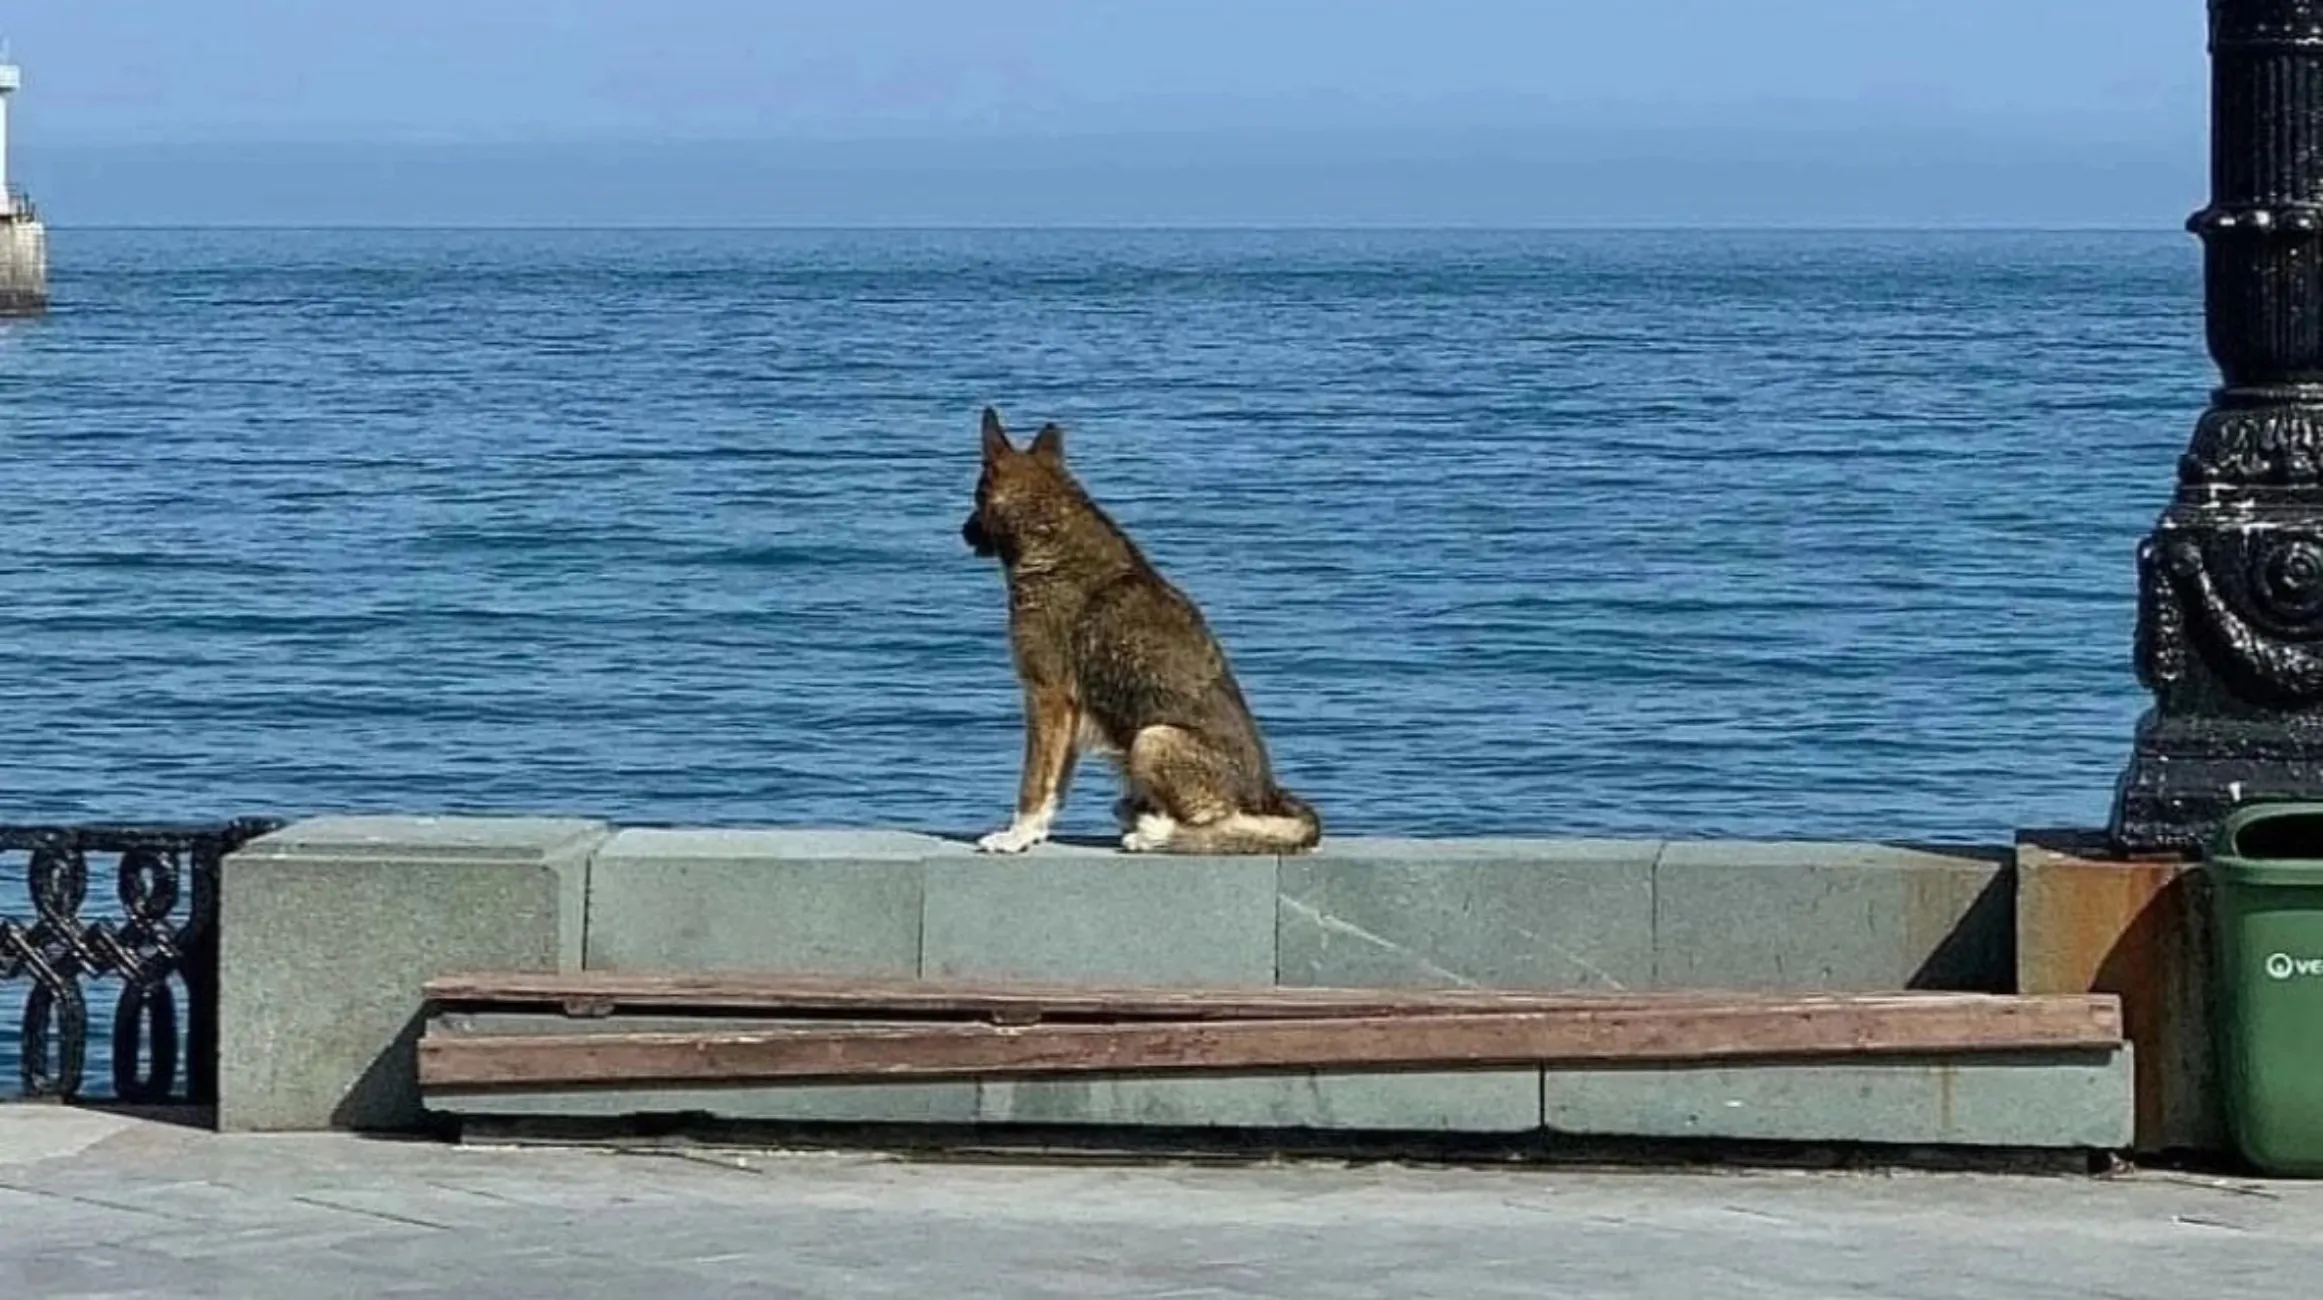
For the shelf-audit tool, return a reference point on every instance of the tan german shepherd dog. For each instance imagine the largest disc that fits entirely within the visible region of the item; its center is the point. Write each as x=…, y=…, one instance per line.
x=1115, y=659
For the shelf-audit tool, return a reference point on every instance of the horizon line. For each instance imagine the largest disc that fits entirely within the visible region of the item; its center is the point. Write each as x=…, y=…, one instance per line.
x=910, y=227
x=951, y=133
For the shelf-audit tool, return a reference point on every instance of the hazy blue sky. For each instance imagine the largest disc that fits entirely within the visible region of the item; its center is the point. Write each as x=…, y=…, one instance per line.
x=2045, y=111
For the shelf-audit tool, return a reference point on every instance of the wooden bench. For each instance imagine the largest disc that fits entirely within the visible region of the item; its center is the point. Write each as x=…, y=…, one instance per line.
x=532, y=1032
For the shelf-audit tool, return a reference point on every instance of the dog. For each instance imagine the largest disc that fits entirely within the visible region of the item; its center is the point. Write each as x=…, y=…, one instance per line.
x=1115, y=660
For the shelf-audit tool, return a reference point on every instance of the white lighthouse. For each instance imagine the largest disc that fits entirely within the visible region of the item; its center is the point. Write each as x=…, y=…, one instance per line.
x=10, y=78
x=23, y=241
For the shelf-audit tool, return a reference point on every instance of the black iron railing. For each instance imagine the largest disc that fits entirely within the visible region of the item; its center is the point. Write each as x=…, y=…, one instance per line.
x=154, y=936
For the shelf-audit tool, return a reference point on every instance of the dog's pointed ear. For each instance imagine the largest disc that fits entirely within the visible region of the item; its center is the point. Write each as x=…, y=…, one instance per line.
x=1049, y=444
x=996, y=442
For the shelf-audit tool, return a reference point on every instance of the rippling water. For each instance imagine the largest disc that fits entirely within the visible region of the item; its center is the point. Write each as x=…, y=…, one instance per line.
x=1703, y=534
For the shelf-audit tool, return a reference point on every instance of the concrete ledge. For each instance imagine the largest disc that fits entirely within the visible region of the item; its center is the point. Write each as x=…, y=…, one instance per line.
x=2066, y=1101
x=1508, y=913
x=1379, y=912
x=328, y=928
x=1494, y=1101
x=23, y=265
x=1836, y=917
x=1099, y=916
x=2027, y=1102
x=822, y=902
x=331, y=926
x=1518, y=914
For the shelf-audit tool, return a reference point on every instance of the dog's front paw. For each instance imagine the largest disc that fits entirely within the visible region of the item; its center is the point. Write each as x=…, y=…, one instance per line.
x=1015, y=839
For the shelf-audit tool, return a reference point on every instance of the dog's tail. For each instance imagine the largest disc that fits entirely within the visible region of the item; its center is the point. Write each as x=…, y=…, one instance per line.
x=1310, y=822
x=1286, y=824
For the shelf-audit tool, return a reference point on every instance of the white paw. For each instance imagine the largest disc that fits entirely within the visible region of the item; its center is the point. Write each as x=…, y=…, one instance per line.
x=1024, y=830
x=1151, y=836
x=1016, y=839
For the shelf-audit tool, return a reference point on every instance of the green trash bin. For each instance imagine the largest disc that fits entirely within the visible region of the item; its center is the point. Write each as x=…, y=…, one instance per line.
x=2266, y=871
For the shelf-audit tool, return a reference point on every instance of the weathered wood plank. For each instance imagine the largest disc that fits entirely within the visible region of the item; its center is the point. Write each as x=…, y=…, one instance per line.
x=1750, y=1029
x=806, y=994
x=600, y=993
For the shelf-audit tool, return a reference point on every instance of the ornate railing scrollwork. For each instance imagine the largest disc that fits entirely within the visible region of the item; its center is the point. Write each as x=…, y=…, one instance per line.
x=154, y=932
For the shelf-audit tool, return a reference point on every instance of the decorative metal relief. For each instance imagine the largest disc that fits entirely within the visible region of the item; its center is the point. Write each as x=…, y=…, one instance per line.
x=152, y=931
x=2161, y=629
x=2275, y=446
x=2256, y=597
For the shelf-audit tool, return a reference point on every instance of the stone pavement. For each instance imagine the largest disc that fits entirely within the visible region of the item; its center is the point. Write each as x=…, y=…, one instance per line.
x=95, y=1205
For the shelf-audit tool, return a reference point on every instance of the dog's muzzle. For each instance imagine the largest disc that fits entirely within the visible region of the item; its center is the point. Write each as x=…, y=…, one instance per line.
x=978, y=540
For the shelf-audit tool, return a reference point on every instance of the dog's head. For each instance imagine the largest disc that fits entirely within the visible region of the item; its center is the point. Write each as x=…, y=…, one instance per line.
x=1013, y=488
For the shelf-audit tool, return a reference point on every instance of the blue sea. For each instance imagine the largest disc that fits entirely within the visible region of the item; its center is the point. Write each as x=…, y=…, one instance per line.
x=1747, y=534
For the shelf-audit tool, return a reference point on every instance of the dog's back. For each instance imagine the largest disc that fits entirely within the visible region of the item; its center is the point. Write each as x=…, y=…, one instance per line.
x=1109, y=648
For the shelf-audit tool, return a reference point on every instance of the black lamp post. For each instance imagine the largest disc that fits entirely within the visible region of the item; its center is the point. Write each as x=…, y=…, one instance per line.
x=2230, y=605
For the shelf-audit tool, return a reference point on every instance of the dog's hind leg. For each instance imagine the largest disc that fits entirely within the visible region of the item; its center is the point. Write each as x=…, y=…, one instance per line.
x=1176, y=783
x=1189, y=791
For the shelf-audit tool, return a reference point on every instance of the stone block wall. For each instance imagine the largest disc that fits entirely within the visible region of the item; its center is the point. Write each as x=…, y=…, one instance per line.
x=332, y=925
